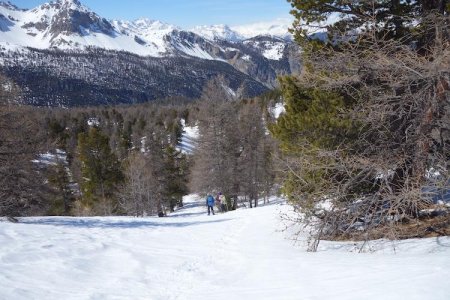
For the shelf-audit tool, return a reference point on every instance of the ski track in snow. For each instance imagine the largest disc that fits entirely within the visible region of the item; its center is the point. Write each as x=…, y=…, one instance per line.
x=189, y=255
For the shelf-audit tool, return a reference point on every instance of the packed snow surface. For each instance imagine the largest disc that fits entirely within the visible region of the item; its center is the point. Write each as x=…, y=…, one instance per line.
x=190, y=255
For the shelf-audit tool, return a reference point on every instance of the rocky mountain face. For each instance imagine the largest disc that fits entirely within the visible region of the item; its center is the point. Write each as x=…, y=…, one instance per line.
x=66, y=17
x=63, y=54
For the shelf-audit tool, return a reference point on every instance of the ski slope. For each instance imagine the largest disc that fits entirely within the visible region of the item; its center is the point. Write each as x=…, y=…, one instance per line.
x=190, y=255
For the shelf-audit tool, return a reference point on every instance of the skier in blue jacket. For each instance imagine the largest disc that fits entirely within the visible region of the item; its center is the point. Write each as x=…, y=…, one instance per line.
x=210, y=204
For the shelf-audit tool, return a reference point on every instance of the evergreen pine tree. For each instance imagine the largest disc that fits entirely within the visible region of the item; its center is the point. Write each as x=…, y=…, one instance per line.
x=387, y=18
x=367, y=118
x=100, y=170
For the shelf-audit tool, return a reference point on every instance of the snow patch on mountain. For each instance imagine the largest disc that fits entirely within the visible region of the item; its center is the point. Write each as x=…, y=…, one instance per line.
x=272, y=48
x=195, y=51
x=274, y=51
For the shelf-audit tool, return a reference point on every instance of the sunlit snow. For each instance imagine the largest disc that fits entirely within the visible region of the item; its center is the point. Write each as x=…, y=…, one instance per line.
x=189, y=255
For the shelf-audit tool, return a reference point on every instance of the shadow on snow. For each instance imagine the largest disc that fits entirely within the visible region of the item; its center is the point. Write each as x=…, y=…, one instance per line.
x=105, y=223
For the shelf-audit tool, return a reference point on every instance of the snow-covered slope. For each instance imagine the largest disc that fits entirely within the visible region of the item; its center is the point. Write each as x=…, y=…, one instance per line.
x=189, y=255
x=147, y=33
x=270, y=47
x=68, y=24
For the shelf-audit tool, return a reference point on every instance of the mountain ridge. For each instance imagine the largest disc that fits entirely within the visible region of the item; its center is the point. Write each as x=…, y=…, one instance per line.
x=69, y=26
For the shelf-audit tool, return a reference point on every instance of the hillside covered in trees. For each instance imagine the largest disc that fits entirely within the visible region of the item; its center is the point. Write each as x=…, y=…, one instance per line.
x=129, y=160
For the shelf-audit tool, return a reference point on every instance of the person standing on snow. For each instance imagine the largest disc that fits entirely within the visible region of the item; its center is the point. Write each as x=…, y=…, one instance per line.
x=210, y=204
x=223, y=203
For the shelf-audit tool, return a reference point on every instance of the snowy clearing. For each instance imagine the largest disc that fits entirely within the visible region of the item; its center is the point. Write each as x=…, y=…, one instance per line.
x=190, y=255
x=189, y=138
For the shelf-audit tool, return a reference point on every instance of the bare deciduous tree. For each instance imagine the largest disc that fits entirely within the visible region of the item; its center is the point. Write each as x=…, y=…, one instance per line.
x=252, y=162
x=137, y=196
x=216, y=157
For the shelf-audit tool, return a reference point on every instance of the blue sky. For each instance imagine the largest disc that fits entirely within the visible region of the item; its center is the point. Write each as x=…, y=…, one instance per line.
x=184, y=13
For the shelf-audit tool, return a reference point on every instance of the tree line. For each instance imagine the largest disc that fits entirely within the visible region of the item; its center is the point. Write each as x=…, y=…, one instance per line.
x=127, y=160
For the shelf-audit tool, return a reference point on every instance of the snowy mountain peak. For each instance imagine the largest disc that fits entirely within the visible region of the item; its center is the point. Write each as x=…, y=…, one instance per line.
x=74, y=4
x=143, y=27
x=70, y=2
x=146, y=22
x=71, y=17
x=217, y=32
x=63, y=5
x=146, y=25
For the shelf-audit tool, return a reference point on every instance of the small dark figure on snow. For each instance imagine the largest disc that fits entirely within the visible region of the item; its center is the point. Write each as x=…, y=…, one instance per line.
x=210, y=204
